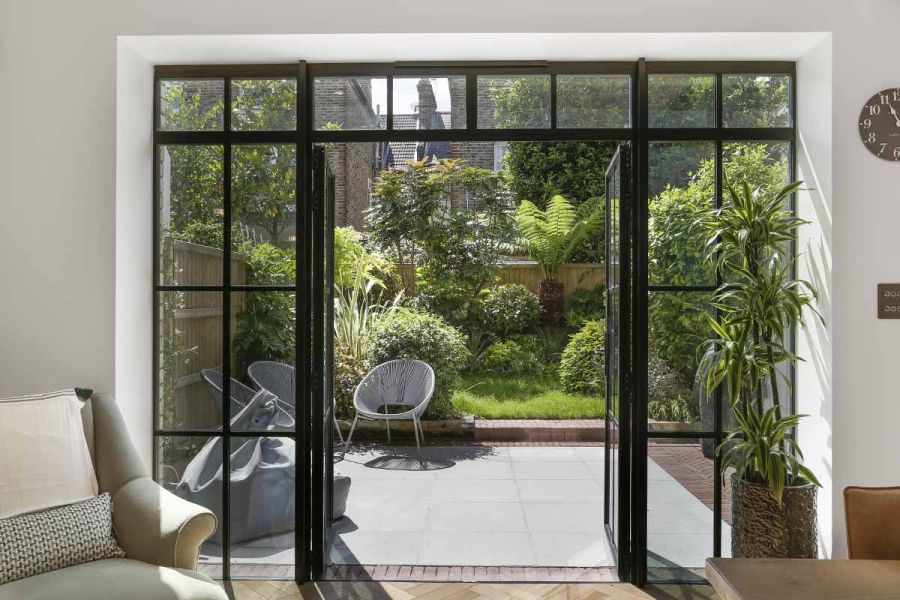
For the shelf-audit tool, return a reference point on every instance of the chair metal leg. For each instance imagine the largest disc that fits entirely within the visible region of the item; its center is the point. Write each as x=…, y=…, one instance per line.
x=349, y=436
x=388, y=423
x=337, y=427
x=421, y=429
x=417, y=428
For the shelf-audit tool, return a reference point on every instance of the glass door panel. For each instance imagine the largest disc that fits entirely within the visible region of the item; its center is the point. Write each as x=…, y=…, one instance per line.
x=617, y=499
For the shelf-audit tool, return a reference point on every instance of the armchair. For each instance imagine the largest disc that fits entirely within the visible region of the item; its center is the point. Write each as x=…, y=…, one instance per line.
x=159, y=532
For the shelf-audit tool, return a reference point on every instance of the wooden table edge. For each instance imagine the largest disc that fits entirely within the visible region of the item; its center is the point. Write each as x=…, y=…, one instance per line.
x=719, y=582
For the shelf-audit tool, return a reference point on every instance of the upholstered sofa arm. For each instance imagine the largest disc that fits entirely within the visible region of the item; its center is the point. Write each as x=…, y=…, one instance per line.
x=155, y=526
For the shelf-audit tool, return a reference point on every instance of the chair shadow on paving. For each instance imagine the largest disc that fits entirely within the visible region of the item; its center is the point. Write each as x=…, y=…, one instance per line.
x=408, y=463
x=435, y=458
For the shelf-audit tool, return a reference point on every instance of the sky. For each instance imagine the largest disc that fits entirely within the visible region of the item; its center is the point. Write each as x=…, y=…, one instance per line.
x=405, y=95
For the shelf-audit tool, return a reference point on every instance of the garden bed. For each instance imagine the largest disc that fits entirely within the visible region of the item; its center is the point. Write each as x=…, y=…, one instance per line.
x=458, y=430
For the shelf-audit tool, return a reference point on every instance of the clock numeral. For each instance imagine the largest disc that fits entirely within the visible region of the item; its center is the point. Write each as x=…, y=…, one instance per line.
x=874, y=110
x=897, y=95
x=871, y=138
x=884, y=98
x=866, y=123
x=883, y=148
x=897, y=153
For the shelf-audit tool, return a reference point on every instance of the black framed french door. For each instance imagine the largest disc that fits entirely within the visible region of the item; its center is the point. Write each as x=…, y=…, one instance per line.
x=618, y=484
x=219, y=143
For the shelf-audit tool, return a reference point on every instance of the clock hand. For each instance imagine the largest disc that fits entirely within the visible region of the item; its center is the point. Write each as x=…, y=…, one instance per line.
x=894, y=112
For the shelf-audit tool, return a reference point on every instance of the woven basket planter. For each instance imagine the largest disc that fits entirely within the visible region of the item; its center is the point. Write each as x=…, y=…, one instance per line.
x=762, y=529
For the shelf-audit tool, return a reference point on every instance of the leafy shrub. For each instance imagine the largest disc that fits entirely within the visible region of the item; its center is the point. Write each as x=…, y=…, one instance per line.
x=581, y=369
x=673, y=409
x=447, y=299
x=510, y=357
x=265, y=330
x=508, y=309
x=585, y=304
x=352, y=260
x=265, y=325
x=268, y=264
x=205, y=233
x=348, y=372
x=668, y=396
x=678, y=321
x=411, y=334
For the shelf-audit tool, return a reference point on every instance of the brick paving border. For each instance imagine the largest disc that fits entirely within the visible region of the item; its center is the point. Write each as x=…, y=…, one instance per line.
x=539, y=430
x=687, y=465
x=469, y=574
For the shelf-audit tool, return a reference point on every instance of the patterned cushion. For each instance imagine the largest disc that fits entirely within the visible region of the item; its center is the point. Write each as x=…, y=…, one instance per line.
x=57, y=538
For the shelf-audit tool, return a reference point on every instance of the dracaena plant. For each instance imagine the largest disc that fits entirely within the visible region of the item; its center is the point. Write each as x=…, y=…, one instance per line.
x=763, y=450
x=551, y=235
x=750, y=241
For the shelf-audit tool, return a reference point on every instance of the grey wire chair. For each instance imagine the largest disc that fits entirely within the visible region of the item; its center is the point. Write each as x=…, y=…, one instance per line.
x=241, y=396
x=280, y=379
x=394, y=383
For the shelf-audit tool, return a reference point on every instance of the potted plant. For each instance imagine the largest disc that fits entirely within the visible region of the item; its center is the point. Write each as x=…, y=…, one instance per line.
x=549, y=237
x=773, y=493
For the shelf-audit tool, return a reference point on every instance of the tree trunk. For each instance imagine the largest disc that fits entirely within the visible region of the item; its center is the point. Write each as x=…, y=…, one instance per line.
x=552, y=296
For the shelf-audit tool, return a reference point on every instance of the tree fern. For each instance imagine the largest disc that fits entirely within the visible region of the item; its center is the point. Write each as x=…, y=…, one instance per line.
x=550, y=235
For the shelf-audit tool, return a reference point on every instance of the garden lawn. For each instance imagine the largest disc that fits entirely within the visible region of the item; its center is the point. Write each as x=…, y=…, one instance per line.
x=492, y=396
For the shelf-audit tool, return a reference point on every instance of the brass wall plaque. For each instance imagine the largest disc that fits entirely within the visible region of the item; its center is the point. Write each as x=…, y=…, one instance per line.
x=889, y=300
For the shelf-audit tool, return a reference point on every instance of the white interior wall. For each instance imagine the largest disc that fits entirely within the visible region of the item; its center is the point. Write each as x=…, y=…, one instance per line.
x=80, y=308
x=813, y=375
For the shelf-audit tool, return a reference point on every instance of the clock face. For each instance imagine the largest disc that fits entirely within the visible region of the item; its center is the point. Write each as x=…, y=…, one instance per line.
x=879, y=124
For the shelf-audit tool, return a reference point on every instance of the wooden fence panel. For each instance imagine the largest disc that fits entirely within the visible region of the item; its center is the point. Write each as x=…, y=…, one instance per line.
x=196, y=323
x=572, y=275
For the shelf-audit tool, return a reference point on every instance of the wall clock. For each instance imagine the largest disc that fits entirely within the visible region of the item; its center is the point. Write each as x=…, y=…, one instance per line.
x=879, y=124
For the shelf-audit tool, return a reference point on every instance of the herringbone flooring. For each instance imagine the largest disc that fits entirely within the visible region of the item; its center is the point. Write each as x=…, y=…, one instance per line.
x=340, y=590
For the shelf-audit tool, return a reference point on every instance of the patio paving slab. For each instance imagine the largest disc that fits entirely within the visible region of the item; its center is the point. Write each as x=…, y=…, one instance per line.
x=540, y=506
x=492, y=506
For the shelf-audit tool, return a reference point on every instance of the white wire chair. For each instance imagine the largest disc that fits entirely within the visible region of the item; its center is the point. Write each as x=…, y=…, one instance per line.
x=396, y=383
x=280, y=379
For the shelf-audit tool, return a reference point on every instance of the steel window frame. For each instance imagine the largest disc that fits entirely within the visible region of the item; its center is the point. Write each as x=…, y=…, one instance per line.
x=309, y=561
x=718, y=136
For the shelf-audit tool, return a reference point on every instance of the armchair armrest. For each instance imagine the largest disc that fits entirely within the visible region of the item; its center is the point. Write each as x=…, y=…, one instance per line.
x=155, y=526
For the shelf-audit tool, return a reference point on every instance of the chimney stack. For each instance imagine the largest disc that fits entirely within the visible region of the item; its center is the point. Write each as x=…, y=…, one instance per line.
x=427, y=103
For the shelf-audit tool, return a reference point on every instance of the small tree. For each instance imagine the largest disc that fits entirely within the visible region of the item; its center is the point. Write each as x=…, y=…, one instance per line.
x=411, y=217
x=405, y=212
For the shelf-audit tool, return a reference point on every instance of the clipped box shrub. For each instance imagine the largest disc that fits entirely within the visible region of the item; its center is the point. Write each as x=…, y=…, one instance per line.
x=412, y=334
x=508, y=309
x=581, y=370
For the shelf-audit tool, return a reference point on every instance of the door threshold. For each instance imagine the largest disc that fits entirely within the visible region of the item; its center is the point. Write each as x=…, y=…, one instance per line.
x=463, y=574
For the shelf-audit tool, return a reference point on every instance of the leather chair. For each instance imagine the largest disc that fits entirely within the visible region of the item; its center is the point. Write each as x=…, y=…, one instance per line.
x=159, y=532
x=873, y=522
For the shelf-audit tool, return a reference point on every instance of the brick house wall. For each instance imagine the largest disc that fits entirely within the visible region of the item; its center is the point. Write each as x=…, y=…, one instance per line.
x=348, y=103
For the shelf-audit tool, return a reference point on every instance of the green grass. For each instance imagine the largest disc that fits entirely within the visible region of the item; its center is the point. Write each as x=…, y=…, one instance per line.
x=491, y=396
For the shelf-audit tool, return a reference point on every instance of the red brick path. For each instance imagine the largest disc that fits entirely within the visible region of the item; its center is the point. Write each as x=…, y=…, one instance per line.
x=437, y=574
x=687, y=465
